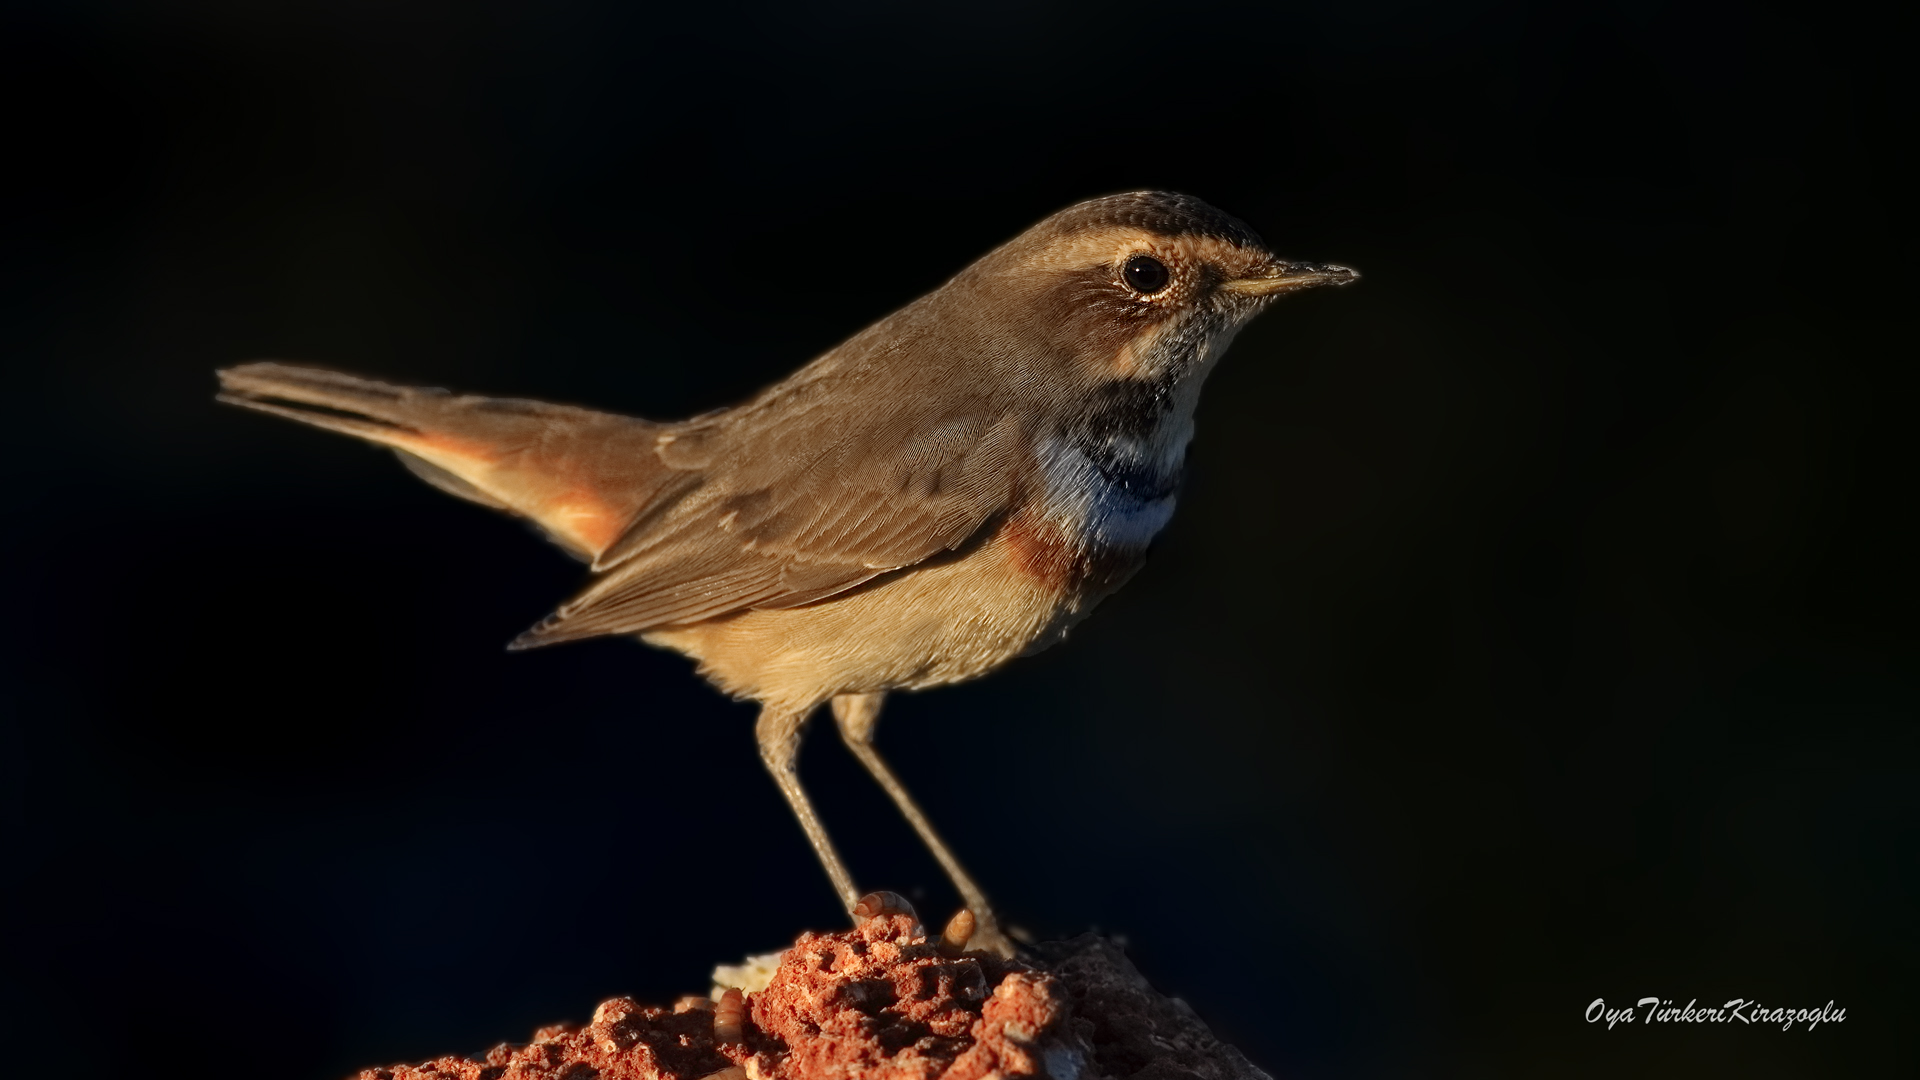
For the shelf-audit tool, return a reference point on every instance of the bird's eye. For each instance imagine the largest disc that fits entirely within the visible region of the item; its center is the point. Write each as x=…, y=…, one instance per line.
x=1145, y=274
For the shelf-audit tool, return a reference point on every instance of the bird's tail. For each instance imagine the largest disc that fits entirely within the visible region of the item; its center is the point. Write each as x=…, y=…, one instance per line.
x=581, y=475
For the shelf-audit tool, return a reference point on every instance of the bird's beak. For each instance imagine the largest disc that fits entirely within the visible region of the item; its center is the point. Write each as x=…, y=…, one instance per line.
x=1285, y=277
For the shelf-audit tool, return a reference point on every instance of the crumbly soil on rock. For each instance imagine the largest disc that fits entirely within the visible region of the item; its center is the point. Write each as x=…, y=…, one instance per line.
x=882, y=1002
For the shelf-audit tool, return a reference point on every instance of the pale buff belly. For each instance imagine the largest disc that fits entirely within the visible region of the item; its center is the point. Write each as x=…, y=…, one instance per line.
x=930, y=625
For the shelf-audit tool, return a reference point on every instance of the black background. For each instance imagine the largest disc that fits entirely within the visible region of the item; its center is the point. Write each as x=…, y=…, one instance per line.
x=1536, y=626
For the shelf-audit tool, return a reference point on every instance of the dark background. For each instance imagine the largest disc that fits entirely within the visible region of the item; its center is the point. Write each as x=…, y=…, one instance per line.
x=1537, y=625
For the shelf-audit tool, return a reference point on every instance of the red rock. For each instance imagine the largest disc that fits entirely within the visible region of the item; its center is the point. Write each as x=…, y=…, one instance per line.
x=880, y=1003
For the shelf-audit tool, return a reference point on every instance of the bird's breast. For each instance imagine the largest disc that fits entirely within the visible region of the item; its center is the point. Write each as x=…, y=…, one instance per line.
x=1106, y=498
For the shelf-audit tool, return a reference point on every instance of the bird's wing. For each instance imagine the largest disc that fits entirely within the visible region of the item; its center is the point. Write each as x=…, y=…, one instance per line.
x=779, y=503
x=798, y=502
x=583, y=476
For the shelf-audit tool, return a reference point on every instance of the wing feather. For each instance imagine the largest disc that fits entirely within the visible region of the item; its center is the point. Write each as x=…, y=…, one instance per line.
x=836, y=476
x=774, y=528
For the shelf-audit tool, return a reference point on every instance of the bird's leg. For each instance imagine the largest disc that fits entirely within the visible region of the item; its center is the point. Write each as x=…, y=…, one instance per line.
x=856, y=715
x=779, y=736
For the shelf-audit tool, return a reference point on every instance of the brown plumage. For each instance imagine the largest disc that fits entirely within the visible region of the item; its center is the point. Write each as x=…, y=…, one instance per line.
x=950, y=488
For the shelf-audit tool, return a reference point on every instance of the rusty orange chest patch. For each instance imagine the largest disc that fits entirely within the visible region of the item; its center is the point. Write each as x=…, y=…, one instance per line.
x=1049, y=555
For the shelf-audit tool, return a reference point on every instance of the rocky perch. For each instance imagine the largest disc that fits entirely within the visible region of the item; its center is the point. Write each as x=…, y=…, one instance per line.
x=883, y=1002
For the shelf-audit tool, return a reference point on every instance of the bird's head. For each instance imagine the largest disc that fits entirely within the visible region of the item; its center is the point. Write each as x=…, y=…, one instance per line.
x=1145, y=288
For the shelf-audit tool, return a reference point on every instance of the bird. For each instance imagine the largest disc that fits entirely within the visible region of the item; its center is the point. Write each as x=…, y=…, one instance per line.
x=953, y=487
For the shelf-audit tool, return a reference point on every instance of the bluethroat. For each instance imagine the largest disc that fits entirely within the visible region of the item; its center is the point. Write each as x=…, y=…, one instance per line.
x=952, y=487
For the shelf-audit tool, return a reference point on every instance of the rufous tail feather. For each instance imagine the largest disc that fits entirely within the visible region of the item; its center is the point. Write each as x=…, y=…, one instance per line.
x=581, y=475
